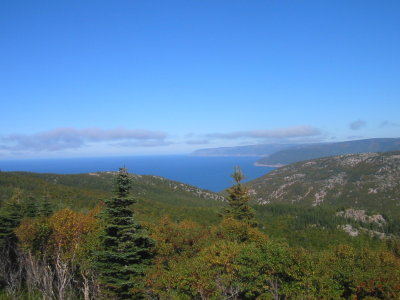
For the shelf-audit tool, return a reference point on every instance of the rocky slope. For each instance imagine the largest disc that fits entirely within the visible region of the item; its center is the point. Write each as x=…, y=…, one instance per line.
x=368, y=181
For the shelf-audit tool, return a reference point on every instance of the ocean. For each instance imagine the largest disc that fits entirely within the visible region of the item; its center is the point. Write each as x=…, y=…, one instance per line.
x=211, y=173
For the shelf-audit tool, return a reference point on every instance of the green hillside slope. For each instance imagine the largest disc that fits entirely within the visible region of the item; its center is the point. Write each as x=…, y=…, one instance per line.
x=157, y=196
x=299, y=225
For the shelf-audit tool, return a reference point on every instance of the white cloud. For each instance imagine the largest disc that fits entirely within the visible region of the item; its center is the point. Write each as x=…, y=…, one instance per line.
x=72, y=138
x=290, y=132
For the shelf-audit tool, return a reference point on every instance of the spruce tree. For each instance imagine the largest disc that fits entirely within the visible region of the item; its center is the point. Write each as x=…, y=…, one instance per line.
x=30, y=207
x=238, y=198
x=10, y=218
x=126, y=251
x=46, y=208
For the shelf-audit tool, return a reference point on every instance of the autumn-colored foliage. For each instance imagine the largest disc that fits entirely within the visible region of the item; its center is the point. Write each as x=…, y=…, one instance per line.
x=231, y=260
x=65, y=233
x=69, y=231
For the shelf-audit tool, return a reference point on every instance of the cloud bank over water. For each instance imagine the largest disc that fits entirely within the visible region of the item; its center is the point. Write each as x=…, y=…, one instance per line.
x=290, y=132
x=94, y=141
x=72, y=138
x=60, y=141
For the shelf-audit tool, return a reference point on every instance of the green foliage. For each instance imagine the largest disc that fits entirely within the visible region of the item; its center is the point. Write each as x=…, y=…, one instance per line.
x=174, y=240
x=23, y=295
x=30, y=207
x=57, y=195
x=238, y=198
x=273, y=270
x=46, y=208
x=229, y=260
x=393, y=245
x=126, y=251
x=10, y=217
x=364, y=273
x=259, y=268
x=157, y=196
x=314, y=228
x=207, y=259
x=237, y=231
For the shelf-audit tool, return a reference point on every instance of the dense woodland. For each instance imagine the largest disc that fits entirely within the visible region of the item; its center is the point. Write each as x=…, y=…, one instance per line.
x=61, y=242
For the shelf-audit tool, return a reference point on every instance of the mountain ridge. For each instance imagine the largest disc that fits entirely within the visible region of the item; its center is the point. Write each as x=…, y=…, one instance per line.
x=278, y=155
x=310, y=151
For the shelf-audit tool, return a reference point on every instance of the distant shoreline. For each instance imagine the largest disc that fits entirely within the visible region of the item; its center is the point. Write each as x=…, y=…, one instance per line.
x=257, y=164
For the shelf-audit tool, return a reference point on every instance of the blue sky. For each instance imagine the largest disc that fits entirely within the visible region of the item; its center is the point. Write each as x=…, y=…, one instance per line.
x=96, y=78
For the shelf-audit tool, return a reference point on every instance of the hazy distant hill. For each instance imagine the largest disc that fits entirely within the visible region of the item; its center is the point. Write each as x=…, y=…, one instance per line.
x=368, y=181
x=311, y=151
x=282, y=154
x=251, y=150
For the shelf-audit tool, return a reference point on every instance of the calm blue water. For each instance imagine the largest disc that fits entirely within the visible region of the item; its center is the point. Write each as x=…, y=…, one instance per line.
x=212, y=173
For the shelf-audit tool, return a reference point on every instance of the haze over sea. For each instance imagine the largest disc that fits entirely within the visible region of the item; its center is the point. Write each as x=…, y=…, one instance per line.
x=211, y=173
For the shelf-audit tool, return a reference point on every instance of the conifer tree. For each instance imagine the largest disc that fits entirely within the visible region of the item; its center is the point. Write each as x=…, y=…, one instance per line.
x=30, y=207
x=126, y=250
x=10, y=218
x=238, y=198
x=11, y=215
x=46, y=208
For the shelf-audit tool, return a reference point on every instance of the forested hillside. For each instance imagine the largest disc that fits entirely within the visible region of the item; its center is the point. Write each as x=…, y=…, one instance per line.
x=157, y=195
x=120, y=236
x=362, y=189
x=367, y=181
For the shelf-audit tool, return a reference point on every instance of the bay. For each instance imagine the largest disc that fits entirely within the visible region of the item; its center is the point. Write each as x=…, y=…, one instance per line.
x=211, y=173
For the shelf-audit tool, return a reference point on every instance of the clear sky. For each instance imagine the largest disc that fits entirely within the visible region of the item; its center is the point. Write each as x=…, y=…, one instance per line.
x=96, y=78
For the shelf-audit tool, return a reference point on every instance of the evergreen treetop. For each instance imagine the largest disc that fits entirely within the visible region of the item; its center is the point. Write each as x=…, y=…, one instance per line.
x=30, y=207
x=238, y=198
x=126, y=249
x=45, y=208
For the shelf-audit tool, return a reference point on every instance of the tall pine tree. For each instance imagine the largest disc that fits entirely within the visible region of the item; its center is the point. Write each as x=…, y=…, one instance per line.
x=11, y=214
x=126, y=250
x=10, y=218
x=30, y=207
x=46, y=208
x=238, y=198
